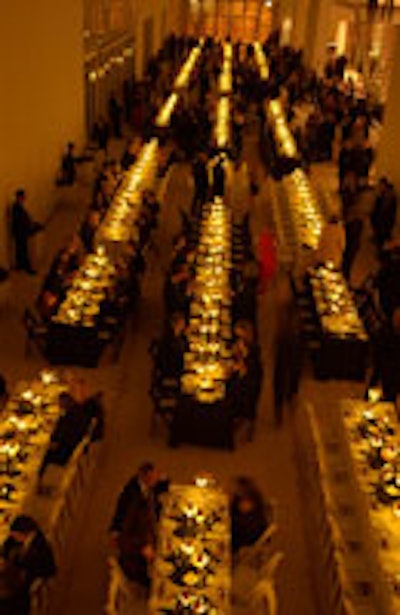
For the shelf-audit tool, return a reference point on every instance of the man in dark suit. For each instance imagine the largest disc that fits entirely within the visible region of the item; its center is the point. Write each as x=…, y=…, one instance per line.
x=143, y=490
x=22, y=228
x=134, y=523
x=68, y=166
x=3, y=391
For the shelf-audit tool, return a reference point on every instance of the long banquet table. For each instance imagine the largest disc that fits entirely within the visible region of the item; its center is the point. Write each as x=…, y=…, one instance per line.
x=343, y=352
x=192, y=570
x=74, y=334
x=373, y=436
x=27, y=424
x=203, y=415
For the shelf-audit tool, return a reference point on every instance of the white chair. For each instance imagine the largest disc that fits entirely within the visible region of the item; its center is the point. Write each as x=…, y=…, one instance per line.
x=40, y=594
x=122, y=596
x=264, y=595
x=255, y=555
x=68, y=501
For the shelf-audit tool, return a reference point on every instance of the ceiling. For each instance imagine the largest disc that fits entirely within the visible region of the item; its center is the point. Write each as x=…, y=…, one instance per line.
x=244, y=20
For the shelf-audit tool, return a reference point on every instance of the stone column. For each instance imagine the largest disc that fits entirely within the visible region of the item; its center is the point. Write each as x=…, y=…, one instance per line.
x=387, y=162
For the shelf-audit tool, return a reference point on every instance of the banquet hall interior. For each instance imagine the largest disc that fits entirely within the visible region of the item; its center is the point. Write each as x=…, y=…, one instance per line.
x=200, y=307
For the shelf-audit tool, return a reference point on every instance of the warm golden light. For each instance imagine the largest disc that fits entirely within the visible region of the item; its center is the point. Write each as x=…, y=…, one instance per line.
x=164, y=117
x=82, y=304
x=261, y=60
x=335, y=303
x=284, y=139
x=225, y=79
x=125, y=208
x=208, y=360
x=223, y=123
x=184, y=75
x=305, y=210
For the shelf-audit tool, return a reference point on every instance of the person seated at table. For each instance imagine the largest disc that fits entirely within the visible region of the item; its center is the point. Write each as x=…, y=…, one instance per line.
x=27, y=557
x=144, y=224
x=63, y=268
x=92, y=404
x=68, y=258
x=245, y=287
x=47, y=304
x=250, y=515
x=175, y=295
x=173, y=347
x=71, y=428
x=129, y=156
x=3, y=391
x=151, y=203
x=179, y=251
x=114, y=172
x=88, y=230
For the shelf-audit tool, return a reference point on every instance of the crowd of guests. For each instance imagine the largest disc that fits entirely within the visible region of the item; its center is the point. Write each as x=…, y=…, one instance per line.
x=336, y=126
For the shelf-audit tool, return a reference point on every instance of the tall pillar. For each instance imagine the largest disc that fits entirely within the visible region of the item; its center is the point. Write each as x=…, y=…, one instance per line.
x=387, y=162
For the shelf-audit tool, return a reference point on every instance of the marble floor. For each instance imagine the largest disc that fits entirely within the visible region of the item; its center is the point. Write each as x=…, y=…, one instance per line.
x=270, y=459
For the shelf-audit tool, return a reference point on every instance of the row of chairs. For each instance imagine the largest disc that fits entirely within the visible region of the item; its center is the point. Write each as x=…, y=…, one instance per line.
x=344, y=581
x=123, y=596
x=74, y=482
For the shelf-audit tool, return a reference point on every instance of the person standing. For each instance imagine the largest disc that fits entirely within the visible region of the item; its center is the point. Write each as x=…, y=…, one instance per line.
x=101, y=134
x=114, y=111
x=68, y=166
x=22, y=229
x=133, y=527
x=383, y=216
